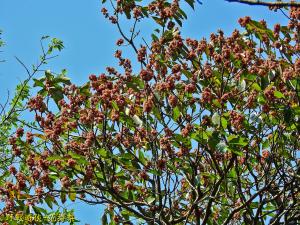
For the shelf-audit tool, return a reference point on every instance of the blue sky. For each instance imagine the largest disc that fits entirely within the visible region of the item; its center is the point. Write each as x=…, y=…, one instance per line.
x=90, y=41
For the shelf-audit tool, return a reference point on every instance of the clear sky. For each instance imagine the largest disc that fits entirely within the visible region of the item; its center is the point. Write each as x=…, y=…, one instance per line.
x=90, y=41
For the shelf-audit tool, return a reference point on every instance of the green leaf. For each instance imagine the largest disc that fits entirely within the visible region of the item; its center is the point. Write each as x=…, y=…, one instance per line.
x=155, y=172
x=278, y=94
x=127, y=13
x=287, y=115
x=127, y=156
x=177, y=19
x=154, y=37
x=142, y=157
x=145, y=11
x=38, y=82
x=224, y=123
x=260, y=29
x=250, y=76
x=56, y=44
x=191, y=3
x=256, y=87
x=114, y=105
x=53, y=157
x=79, y=158
x=214, y=139
x=176, y=113
x=261, y=99
x=182, y=13
x=104, y=219
x=236, y=151
x=72, y=195
x=221, y=146
x=39, y=210
x=62, y=79
x=237, y=141
x=49, y=75
x=102, y=152
x=57, y=95
x=242, y=85
x=85, y=89
x=63, y=197
x=217, y=103
x=232, y=174
x=158, y=20
x=187, y=73
x=150, y=199
x=266, y=144
x=216, y=119
x=125, y=214
x=48, y=201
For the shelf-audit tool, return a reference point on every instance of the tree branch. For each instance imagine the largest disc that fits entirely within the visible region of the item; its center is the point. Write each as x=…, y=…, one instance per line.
x=265, y=3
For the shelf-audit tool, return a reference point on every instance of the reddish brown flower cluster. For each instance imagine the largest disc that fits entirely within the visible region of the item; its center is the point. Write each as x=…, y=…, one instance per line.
x=141, y=54
x=162, y=11
x=207, y=95
x=148, y=105
x=15, y=149
x=120, y=42
x=269, y=93
x=172, y=100
x=186, y=130
x=37, y=103
x=236, y=120
x=137, y=12
x=146, y=74
x=19, y=132
x=244, y=21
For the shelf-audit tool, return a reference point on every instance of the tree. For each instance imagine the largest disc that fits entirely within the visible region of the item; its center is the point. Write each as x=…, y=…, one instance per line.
x=206, y=132
x=13, y=109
